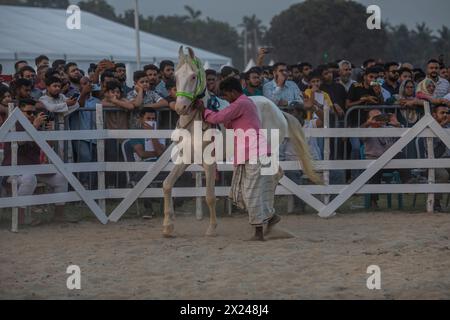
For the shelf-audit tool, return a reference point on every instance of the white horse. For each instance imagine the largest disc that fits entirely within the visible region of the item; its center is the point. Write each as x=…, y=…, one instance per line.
x=191, y=87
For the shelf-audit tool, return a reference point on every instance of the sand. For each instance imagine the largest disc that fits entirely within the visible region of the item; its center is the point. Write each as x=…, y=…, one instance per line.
x=325, y=259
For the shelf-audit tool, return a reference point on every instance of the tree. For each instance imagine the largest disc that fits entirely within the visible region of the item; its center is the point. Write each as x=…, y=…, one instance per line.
x=319, y=31
x=193, y=14
x=255, y=33
x=100, y=8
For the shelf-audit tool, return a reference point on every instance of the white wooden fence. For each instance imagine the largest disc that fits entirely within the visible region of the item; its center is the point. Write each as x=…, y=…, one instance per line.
x=427, y=128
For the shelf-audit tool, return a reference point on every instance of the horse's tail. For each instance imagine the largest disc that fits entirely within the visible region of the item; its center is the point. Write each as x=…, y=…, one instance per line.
x=297, y=138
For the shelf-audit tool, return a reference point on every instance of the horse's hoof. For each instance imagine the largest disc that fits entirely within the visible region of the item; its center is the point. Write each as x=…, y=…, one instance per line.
x=168, y=231
x=211, y=232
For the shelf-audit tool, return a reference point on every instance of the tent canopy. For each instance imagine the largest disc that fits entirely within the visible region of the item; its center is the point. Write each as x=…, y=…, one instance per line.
x=27, y=32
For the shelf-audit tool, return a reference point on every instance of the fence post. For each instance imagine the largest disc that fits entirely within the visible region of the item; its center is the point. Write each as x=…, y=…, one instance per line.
x=430, y=155
x=326, y=150
x=14, y=149
x=100, y=153
x=198, y=200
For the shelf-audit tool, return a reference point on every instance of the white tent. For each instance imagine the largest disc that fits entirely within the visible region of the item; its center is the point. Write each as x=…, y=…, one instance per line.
x=28, y=32
x=250, y=65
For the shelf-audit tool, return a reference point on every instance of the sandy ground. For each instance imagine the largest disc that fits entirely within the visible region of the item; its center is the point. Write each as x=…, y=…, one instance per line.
x=326, y=259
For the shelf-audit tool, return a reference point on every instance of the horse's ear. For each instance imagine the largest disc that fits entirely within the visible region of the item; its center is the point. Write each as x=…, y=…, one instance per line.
x=180, y=55
x=191, y=53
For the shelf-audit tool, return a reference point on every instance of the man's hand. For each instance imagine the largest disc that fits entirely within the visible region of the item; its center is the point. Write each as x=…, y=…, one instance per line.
x=394, y=121
x=71, y=102
x=39, y=120
x=282, y=103
x=339, y=110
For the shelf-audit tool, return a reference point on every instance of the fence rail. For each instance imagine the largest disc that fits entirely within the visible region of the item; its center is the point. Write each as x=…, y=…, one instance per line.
x=427, y=128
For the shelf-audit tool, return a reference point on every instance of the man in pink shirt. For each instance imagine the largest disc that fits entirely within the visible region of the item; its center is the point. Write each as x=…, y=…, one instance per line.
x=249, y=188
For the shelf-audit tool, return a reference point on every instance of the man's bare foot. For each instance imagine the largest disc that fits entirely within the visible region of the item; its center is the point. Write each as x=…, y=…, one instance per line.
x=272, y=222
x=259, y=235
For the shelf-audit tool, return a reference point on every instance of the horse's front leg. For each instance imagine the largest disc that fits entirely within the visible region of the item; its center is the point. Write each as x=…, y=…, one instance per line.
x=169, y=182
x=210, y=175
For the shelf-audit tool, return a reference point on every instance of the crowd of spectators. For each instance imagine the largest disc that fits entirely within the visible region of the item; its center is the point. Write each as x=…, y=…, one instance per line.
x=391, y=94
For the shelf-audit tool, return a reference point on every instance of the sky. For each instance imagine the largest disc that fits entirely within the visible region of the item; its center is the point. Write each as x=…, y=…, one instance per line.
x=410, y=12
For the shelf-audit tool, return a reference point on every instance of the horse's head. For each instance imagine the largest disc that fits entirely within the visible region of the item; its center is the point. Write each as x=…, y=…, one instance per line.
x=190, y=78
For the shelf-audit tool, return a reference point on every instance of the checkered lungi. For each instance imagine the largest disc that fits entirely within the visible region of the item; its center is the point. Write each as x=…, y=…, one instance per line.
x=254, y=192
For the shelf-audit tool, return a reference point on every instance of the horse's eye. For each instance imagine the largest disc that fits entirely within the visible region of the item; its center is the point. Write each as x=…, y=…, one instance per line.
x=193, y=78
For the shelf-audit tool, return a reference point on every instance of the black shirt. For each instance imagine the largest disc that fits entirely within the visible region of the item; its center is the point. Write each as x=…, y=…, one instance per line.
x=356, y=92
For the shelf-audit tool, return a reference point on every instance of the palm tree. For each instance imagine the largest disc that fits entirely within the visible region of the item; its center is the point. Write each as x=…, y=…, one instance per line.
x=253, y=32
x=193, y=14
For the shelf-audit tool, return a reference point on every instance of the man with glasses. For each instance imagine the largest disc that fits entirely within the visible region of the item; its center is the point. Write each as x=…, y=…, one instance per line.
x=391, y=76
x=280, y=90
x=29, y=153
x=442, y=85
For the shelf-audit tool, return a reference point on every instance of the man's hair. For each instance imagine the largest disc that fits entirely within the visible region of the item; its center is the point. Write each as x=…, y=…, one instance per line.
x=293, y=66
x=26, y=102
x=278, y=64
x=403, y=70
x=170, y=84
x=49, y=81
x=151, y=67
x=388, y=65
x=18, y=83
x=366, y=62
x=143, y=111
x=316, y=74
x=113, y=85
x=119, y=65
x=166, y=63
x=17, y=64
x=256, y=70
x=304, y=64
x=92, y=67
x=51, y=72
x=106, y=74
x=3, y=90
x=26, y=68
x=40, y=59
x=226, y=71
x=433, y=61
x=343, y=62
x=372, y=70
x=230, y=84
x=211, y=72
x=436, y=107
x=321, y=68
x=68, y=65
x=333, y=65
x=58, y=63
x=137, y=75
x=419, y=75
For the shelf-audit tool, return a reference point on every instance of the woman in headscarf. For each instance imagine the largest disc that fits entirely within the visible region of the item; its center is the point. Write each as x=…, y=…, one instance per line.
x=425, y=91
x=411, y=106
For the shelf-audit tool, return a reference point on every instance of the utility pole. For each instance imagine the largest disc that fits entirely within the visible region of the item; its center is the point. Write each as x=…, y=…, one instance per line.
x=245, y=46
x=138, y=40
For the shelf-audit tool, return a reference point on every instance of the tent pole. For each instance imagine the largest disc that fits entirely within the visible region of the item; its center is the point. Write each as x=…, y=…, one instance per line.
x=138, y=41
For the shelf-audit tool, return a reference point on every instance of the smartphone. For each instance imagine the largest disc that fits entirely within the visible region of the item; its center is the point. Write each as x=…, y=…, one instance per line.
x=382, y=118
x=268, y=49
x=75, y=96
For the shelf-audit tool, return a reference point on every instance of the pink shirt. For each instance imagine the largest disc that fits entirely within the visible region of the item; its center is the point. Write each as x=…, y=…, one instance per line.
x=241, y=114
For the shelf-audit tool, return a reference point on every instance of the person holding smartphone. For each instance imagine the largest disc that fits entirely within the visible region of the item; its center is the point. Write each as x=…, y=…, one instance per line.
x=54, y=100
x=280, y=90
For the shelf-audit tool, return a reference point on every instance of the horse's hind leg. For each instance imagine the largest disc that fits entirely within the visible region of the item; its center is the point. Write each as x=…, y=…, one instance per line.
x=169, y=182
x=210, y=174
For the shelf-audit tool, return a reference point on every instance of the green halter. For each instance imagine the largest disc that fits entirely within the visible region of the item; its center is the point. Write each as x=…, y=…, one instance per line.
x=200, y=87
